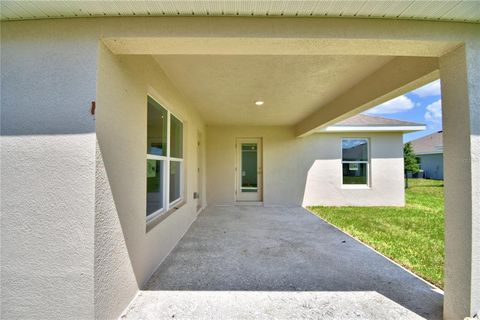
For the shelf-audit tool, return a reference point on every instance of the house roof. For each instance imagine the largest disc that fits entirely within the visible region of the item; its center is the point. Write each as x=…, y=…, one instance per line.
x=442, y=10
x=365, y=120
x=366, y=123
x=431, y=144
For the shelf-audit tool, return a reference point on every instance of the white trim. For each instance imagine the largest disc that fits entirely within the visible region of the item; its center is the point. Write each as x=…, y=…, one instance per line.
x=371, y=128
x=155, y=157
x=355, y=186
x=428, y=153
x=166, y=194
x=248, y=196
x=155, y=214
x=359, y=161
x=166, y=161
x=175, y=202
x=367, y=162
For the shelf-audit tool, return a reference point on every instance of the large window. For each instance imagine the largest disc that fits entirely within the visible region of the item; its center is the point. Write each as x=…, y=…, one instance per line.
x=355, y=160
x=164, y=160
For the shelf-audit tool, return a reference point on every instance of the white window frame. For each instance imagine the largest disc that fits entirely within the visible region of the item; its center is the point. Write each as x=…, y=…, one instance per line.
x=167, y=205
x=367, y=162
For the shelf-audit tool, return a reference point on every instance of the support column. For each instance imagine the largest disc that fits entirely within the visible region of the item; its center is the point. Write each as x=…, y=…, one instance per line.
x=460, y=76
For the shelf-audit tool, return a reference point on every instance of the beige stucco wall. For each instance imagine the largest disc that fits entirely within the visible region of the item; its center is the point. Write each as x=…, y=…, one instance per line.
x=121, y=241
x=305, y=171
x=73, y=240
x=47, y=171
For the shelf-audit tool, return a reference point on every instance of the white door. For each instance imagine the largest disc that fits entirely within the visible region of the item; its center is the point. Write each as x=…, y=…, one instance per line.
x=249, y=169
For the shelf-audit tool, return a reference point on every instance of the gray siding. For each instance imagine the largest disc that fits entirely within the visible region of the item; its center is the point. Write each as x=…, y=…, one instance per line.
x=432, y=165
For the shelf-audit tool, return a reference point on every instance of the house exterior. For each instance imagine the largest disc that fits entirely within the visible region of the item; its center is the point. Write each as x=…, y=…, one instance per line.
x=118, y=129
x=429, y=150
x=356, y=162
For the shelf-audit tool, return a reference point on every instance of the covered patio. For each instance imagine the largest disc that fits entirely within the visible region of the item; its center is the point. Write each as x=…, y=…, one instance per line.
x=77, y=158
x=236, y=261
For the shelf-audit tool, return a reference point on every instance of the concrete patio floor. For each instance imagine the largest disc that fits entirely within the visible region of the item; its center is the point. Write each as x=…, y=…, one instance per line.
x=285, y=263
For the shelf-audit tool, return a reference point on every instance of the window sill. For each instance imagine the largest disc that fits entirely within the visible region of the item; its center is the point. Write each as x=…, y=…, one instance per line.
x=152, y=223
x=355, y=186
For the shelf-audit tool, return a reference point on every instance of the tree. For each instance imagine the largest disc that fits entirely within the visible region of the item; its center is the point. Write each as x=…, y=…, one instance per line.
x=410, y=160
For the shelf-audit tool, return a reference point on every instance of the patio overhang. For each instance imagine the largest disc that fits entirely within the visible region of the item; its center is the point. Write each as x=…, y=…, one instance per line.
x=313, y=71
x=393, y=58
x=274, y=45
x=399, y=76
x=325, y=78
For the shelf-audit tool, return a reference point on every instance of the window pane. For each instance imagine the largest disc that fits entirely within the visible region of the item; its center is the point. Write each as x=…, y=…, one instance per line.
x=249, y=167
x=354, y=173
x=175, y=178
x=154, y=185
x=176, y=138
x=156, y=129
x=354, y=150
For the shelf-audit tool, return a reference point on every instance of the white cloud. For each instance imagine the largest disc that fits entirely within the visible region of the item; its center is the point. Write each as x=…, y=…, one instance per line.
x=434, y=112
x=430, y=90
x=397, y=105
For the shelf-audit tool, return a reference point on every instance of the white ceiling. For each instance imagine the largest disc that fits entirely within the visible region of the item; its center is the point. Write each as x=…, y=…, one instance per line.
x=225, y=88
x=444, y=10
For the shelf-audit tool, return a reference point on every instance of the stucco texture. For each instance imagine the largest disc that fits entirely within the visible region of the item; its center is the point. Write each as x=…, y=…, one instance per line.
x=305, y=171
x=47, y=171
x=460, y=74
x=72, y=202
x=121, y=241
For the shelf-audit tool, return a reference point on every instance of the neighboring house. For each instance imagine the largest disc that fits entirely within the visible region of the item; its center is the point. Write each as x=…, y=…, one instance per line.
x=429, y=150
x=122, y=120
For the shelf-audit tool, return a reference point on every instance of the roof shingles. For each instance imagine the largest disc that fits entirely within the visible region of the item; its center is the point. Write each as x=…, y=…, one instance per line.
x=433, y=143
x=361, y=120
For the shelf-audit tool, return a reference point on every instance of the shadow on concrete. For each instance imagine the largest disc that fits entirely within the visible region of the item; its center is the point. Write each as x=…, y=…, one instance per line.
x=285, y=249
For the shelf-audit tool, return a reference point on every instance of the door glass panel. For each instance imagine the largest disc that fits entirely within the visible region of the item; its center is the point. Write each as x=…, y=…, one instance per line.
x=249, y=167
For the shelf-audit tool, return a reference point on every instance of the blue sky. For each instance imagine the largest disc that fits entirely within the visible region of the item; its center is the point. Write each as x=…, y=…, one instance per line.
x=423, y=105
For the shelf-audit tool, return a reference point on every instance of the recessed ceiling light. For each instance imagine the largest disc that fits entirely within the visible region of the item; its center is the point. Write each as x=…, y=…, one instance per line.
x=259, y=103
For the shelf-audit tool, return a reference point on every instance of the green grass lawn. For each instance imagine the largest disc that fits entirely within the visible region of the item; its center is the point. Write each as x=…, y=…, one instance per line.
x=412, y=236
